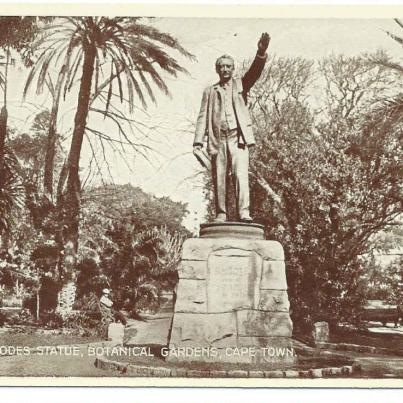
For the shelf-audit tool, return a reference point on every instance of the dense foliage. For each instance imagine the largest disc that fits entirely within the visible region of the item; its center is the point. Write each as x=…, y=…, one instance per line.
x=130, y=241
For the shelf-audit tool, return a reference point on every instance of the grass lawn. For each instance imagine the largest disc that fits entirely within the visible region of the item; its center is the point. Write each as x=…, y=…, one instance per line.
x=46, y=365
x=33, y=364
x=35, y=340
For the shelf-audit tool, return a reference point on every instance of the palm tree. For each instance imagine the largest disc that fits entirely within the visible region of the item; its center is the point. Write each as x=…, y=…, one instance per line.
x=392, y=108
x=121, y=52
x=16, y=33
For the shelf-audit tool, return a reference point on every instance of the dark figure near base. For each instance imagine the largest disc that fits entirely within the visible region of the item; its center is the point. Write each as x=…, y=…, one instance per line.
x=106, y=305
x=225, y=123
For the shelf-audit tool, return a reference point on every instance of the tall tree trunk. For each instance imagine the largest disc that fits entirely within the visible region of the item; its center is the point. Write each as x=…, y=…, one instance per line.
x=71, y=204
x=3, y=134
x=52, y=132
x=50, y=153
x=4, y=115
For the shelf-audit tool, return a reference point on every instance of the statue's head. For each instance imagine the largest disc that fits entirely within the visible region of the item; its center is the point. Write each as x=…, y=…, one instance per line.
x=224, y=66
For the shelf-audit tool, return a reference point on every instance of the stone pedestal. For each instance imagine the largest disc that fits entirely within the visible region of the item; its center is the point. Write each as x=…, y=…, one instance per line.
x=232, y=303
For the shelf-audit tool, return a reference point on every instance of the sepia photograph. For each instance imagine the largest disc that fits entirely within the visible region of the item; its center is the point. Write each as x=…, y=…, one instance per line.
x=202, y=200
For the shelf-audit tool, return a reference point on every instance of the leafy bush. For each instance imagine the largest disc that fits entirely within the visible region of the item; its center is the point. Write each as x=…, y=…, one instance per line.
x=12, y=301
x=22, y=318
x=90, y=282
x=51, y=320
x=76, y=322
x=3, y=318
x=84, y=323
x=88, y=302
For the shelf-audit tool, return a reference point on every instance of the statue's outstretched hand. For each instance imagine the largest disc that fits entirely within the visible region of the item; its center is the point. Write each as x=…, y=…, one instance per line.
x=263, y=43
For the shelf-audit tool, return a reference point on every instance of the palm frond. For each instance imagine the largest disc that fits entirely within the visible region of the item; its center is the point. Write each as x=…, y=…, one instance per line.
x=152, y=33
x=108, y=99
x=97, y=72
x=72, y=72
x=50, y=85
x=143, y=64
x=398, y=22
x=143, y=47
x=386, y=63
x=392, y=108
x=50, y=54
x=43, y=72
x=33, y=72
x=396, y=38
x=147, y=85
x=123, y=64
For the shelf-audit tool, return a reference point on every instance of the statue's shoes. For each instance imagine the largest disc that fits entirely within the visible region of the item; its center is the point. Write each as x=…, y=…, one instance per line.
x=221, y=218
x=247, y=219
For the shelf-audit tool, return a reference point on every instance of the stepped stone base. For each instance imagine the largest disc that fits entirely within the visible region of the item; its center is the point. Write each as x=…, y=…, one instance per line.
x=232, y=303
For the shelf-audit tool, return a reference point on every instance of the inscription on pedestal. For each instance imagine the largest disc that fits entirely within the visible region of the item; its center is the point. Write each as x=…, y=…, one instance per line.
x=233, y=280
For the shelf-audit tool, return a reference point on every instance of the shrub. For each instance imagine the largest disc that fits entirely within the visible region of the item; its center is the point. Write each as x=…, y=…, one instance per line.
x=12, y=301
x=51, y=320
x=22, y=318
x=84, y=323
x=3, y=318
x=88, y=302
x=81, y=323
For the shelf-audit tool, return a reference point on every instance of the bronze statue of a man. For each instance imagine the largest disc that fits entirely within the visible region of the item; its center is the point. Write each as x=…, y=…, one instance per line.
x=225, y=122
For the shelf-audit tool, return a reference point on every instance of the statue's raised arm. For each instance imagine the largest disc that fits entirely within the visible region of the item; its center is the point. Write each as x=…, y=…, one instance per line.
x=257, y=66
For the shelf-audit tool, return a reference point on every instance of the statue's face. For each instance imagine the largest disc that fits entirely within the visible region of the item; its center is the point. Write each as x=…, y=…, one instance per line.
x=225, y=69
